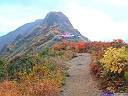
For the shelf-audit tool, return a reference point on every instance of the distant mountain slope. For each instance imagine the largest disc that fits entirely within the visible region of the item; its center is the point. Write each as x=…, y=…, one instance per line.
x=55, y=27
x=24, y=30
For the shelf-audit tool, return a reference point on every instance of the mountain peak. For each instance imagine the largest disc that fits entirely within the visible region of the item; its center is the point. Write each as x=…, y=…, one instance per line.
x=57, y=18
x=54, y=28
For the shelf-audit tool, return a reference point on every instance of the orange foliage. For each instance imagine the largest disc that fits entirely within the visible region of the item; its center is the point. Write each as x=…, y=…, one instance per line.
x=44, y=87
x=59, y=46
x=9, y=88
x=73, y=45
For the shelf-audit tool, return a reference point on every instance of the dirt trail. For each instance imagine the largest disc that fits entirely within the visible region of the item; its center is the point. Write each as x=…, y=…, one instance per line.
x=80, y=82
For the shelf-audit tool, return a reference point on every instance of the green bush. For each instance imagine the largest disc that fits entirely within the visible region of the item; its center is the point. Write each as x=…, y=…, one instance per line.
x=19, y=64
x=126, y=75
x=25, y=63
x=2, y=69
x=47, y=52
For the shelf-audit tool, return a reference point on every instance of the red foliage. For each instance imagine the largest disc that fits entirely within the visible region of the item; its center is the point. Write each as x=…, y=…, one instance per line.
x=89, y=46
x=119, y=41
x=94, y=68
x=77, y=45
x=81, y=45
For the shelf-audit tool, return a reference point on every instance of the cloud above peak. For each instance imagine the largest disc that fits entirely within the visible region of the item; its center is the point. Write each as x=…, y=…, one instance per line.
x=115, y=2
x=95, y=24
x=96, y=19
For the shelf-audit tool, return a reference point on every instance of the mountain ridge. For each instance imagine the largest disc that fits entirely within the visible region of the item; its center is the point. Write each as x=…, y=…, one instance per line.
x=8, y=38
x=48, y=31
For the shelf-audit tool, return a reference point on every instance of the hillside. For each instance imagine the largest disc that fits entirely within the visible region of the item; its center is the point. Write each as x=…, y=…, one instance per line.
x=55, y=27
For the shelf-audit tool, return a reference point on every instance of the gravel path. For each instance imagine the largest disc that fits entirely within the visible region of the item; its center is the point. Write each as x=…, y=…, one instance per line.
x=80, y=82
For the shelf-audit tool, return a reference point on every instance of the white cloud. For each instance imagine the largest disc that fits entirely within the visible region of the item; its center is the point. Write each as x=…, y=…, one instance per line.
x=13, y=17
x=120, y=2
x=95, y=24
x=7, y=24
x=115, y=2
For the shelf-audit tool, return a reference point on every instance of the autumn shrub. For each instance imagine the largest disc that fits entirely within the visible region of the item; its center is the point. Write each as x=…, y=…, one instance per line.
x=118, y=43
x=37, y=74
x=98, y=46
x=94, y=68
x=59, y=46
x=115, y=59
x=42, y=81
x=50, y=52
x=45, y=87
x=34, y=87
x=109, y=64
x=9, y=88
x=20, y=64
x=78, y=46
x=111, y=69
x=69, y=54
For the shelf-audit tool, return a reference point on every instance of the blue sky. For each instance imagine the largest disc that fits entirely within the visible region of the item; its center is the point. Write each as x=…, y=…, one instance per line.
x=96, y=19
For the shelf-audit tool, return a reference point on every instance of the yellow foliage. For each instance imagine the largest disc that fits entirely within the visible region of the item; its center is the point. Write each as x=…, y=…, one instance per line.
x=115, y=59
x=69, y=54
x=39, y=72
x=42, y=72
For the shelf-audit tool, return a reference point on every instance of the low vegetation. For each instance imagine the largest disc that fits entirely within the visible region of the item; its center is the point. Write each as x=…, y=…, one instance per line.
x=43, y=73
x=110, y=67
x=34, y=74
